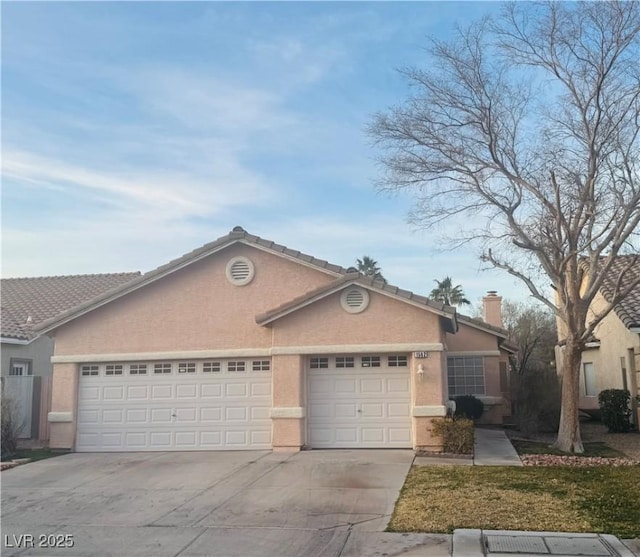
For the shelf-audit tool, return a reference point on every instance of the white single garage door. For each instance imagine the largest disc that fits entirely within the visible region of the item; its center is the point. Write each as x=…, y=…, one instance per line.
x=359, y=402
x=175, y=406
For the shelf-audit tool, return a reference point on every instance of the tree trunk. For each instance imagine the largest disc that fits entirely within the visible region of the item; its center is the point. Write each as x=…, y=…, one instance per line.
x=569, y=439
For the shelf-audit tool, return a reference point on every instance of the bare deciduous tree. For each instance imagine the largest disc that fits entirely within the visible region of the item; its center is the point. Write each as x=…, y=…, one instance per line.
x=529, y=126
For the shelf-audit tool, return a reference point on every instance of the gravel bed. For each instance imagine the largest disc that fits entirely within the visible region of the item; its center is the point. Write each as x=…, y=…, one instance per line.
x=576, y=461
x=627, y=443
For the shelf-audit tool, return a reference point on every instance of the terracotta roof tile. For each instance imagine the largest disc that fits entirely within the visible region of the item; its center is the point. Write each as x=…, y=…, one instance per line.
x=28, y=301
x=628, y=310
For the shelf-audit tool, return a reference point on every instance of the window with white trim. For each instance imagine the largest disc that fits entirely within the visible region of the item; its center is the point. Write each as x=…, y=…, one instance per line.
x=465, y=375
x=20, y=367
x=319, y=363
x=89, y=369
x=186, y=367
x=211, y=367
x=260, y=365
x=370, y=361
x=345, y=361
x=589, y=372
x=235, y=365
x=137, y=369
x=113, y=369
x=162, y=368
x=397, y=361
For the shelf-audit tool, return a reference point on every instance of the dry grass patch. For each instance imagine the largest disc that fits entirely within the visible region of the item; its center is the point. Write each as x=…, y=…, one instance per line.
x=440, y=499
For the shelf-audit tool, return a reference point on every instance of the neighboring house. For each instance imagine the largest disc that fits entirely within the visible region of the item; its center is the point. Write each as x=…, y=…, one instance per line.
x=26, y=355
x=611, y=359
x=246, y=344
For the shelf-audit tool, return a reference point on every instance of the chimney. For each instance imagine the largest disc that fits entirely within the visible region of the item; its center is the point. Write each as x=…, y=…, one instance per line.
x=492, y=308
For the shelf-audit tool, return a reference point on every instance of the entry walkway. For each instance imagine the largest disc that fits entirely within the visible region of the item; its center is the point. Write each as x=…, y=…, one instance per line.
x=493, y=448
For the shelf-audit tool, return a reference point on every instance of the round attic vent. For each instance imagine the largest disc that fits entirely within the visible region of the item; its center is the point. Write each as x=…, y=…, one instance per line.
x=354, y=300
x=240, y=271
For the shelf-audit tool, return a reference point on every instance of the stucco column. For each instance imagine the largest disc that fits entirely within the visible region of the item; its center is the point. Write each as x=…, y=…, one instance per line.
x=429, y=396
x=64, y=405
x=288, y=412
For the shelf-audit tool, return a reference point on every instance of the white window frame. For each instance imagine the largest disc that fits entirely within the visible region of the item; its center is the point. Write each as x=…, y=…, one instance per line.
x=592, y=381
x=209, y=366
x=261, y=365
x=25, y=367
x=397, y=361
x=89, y=370
x=319, y=362
x=463, y=377
x=343, y=362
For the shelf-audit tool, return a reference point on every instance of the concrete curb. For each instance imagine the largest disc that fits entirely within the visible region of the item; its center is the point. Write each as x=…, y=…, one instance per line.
x=472, y=543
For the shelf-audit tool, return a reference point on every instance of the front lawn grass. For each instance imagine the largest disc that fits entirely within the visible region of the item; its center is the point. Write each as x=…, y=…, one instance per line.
x=551, y=498
x=590, y=449
x=36, y=454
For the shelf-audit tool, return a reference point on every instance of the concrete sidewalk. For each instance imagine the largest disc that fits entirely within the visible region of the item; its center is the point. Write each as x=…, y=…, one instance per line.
x=493, y=448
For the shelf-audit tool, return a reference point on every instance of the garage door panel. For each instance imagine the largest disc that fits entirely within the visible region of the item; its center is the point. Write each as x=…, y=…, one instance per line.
x=137, y=392
x=398, y=410
x=398, y=385
x=211, y=414
x=373, y=435
x=136, y=440
x=372, y=410
x=137, y=415
x=198, y=411
x=187, y=391
x=211, y=391
x=359, y=407
x=113, y=416
x=186, y=415
x=89, y=416
x=161, y=392
x=372, y=386
x=89, y=393
x=113, y=393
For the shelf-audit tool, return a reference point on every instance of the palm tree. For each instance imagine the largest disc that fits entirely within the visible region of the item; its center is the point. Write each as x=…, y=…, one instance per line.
x=369, y=268
x=448, y=294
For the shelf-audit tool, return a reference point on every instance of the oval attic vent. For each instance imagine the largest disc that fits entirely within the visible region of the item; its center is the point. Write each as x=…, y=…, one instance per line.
x=240, y=271
x=354, y=300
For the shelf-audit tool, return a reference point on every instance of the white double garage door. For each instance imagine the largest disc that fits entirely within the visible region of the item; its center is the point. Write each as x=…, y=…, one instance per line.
x=226, y=404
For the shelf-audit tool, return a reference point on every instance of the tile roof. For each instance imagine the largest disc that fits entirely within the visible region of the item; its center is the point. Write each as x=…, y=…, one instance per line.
x=480, y=324
x=26, y=302
x=628, y=310
x=355, y=278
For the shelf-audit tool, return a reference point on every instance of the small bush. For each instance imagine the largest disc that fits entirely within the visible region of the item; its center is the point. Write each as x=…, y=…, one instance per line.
x=535, y=401
x=9, y=429
x=456, y=434
x=614, y=405
x=468, y=406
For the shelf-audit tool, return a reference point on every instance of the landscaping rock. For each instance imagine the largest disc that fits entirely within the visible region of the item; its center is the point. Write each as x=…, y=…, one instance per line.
x=554, y=460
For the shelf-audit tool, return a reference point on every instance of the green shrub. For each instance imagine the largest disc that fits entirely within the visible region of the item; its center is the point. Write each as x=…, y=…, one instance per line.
x=456, y=434
x=614, y=406
x=9, y=429
x=468, y=406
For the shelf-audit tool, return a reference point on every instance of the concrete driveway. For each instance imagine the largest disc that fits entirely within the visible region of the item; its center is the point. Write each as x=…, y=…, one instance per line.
x=312, y=503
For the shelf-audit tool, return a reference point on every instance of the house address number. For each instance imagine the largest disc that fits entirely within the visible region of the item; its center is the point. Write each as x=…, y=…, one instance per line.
x=422, y=354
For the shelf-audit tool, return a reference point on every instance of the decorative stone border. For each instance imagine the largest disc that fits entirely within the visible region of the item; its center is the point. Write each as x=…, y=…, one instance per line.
x=13, y=463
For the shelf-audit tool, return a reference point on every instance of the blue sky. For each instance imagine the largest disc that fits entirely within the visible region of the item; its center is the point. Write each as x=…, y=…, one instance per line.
x=135, y=132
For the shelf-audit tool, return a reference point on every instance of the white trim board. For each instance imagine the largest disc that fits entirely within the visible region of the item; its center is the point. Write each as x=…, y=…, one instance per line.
x=246, y=353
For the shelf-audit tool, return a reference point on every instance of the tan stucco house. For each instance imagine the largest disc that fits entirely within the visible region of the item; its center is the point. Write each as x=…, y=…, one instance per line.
x=246, y=344
x=611, y=359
